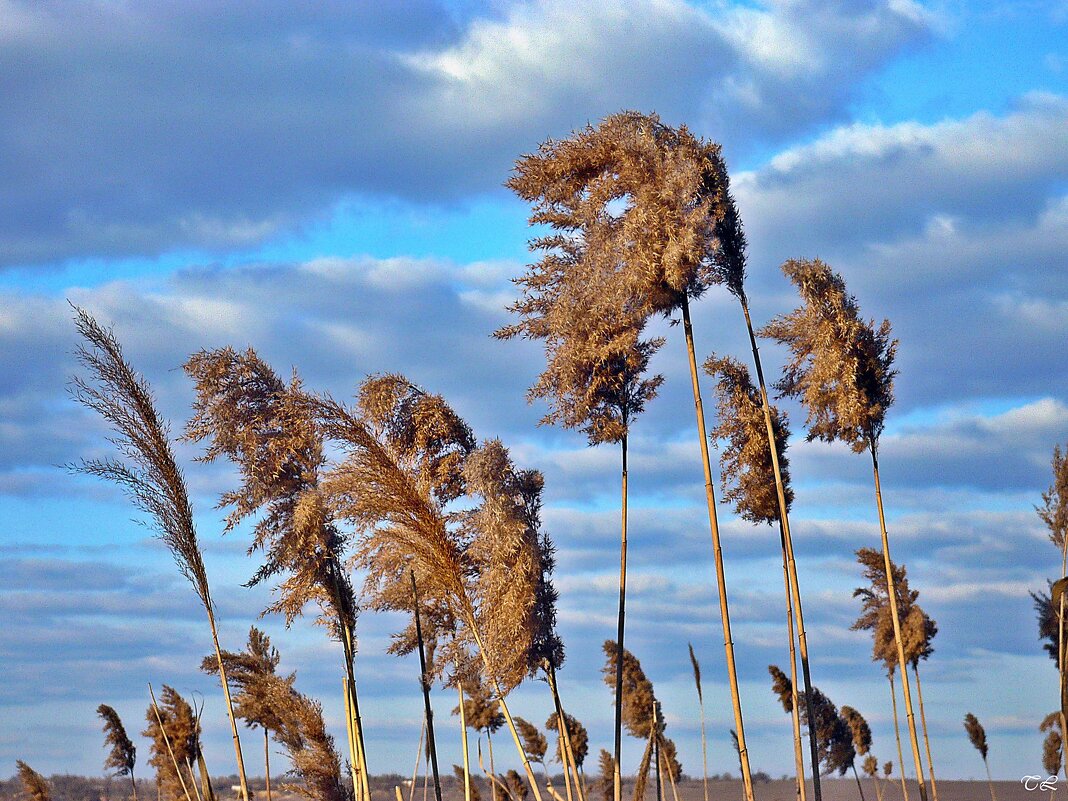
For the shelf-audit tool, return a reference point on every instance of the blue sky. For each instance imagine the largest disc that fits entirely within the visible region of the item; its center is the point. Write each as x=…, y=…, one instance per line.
x=327, y=187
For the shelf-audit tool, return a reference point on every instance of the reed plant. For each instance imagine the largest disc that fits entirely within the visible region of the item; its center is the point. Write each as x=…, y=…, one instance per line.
x=977, y=737
x=841, y=369
x=122, y=757
x=147, y=471
x=34, y=785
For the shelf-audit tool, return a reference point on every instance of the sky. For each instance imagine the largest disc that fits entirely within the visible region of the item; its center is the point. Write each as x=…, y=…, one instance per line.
x=326, y=184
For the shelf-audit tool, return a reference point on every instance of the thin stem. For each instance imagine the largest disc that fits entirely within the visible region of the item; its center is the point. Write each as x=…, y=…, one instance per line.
x=425, y=683
x=989, y=781
x=267, y=759
x=857, y=777
x=567, y=753
x=1061, y=656
x=463, y=743
x=350, y=730
x=617, y=779
x=704, y=745
x=418, y=759
x=656, y=756
x=167, y=742
x=923, y=723
x=891, y=589
x=897, y=736
x=717, y=551
x=229, y=704
x=795, y=712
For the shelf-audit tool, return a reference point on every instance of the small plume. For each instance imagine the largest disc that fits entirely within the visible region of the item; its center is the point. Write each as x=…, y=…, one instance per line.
x=976, y=734
x=841, y=367
x=482, y=712
x=517, y=785
x=123, y=754
x=175, y=731
x=606, y=777
x=782, y=687
x=534, y=742
x=748, y=474
x=252, y=674
x=576, y=732
x=1047, y=614
x=1054, y=509
x=33, y=783
x=888, y=768
x=859, y=728
x=696, y=672
x=458, y=773
x=149, y=476
x=870, y=766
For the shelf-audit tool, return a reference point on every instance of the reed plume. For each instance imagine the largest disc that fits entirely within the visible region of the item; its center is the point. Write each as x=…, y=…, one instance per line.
x=977, y=737
x=147, y=471
x=462, y=776
x=835, y=733
x=266, y=427
x=514, y=782
x=1052, y=745
x=123, y=754
x=871, y=770
x=701, y=705
x=841, y=369
x=606, y=777
x=409, y=454
x=757, y=481
x=577, y=734
x=34, y=785
x=861, y=734
x=633, y=206
x=642, y=717
x=174, y=731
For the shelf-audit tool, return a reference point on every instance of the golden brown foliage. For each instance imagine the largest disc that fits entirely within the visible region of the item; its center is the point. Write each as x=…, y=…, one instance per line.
x=606, y=776
x=33, y=783
x=482, y=712
x=870, y=766
x=858, y=726
x=181, y=729
x=976, y=734
x=633, y=206
x=148, y=474
x=458, y=773
x=696, y=672
x=748, y=474
x=841, y=366
x=576, y=733
x=252, y=673
x=782, y=687
x=123, y=754
x=267, y=429
x=534, y=742
x=516, y=785
x=917, y=628
x=1047, y=614
x=1054, y=509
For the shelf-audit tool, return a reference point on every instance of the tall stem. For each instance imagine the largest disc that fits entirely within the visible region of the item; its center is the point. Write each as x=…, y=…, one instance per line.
x=350, y=730
x=267, y=759
x=567, y=753
x=704, y=745
x=167, y=742
x=788, y=546
x=856, y=775
x=795, y=712
x=656, y=756
x=229, y=704
x=923, y=723
x=897, y=736
x=891, y=589
x=989, y=781
x=133, y=785
x=617, y=742
x=463, y=743
x=424, y=682
x=717, y=551
x=418, y=759
x=357, y=751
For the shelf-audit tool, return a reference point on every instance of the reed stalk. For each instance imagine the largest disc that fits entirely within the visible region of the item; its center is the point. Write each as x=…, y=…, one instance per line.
x=424, y=683
x=167, y=742
x=463, y=743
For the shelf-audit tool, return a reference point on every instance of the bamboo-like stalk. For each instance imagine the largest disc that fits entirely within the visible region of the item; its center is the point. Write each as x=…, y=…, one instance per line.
x=229, y=706
x=167, y=742
x=566, y=752
x=897, y=736
x=356, y=741
x=795, y=712
x=205, y=778
x=495, y=783
x=354, y=764
x=267, y=760
x=713, y=521
x=656, y=756
x=617, y=742
x=673, y=785
x=424, y=682
x=923, y=723
x=989, y=780
x=493, y=768
x=193, y=780
x=891, y=589
x=418, y=759
x=463, y=743
x=788, y=554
